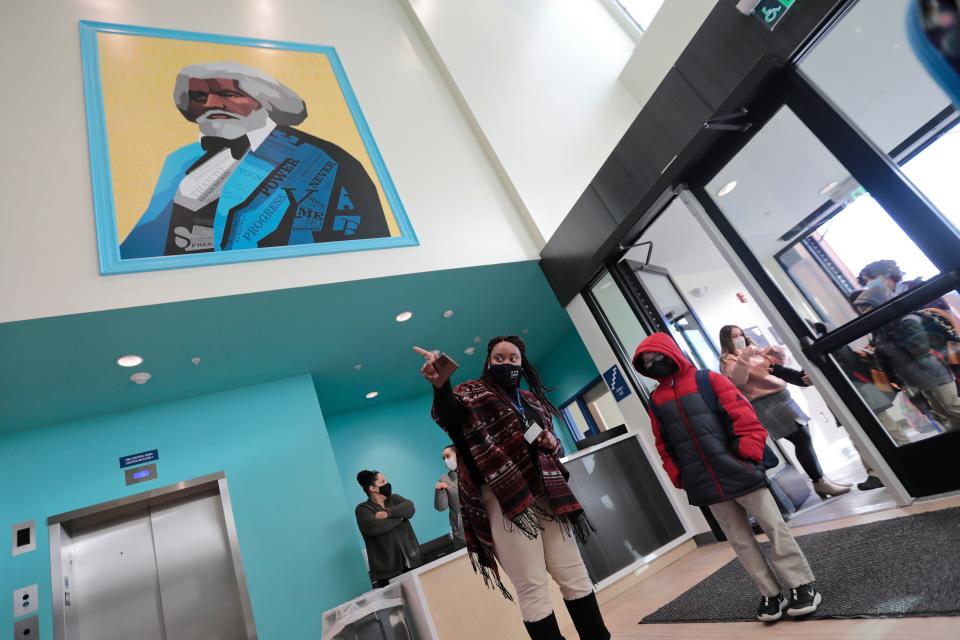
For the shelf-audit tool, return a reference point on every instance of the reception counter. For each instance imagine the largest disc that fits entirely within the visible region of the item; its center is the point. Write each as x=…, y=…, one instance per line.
x=637, y=534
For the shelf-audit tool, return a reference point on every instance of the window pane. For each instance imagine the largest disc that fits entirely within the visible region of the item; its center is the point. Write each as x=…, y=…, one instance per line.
x=906, y=372
x=603, y=407
x=627, y=328
x=866, y=66
x=641, y=11
x=933, y=171
x=809, y=223
x=683, y=324
x=573, y=412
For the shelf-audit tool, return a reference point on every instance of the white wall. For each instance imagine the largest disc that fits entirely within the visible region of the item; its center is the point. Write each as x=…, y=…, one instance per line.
x=540, y=79
x=661, y=45
x=634, y=413
x=48, y=263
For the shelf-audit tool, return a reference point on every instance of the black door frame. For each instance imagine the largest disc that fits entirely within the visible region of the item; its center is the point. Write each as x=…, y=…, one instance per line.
x=906, y=205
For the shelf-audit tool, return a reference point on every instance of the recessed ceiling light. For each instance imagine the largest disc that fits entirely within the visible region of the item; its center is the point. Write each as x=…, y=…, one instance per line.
x=448, y=313
x=358, y=366
x=727, y=188
x=477, y=340
x=130, y=361
x=525, y=331
x=140, y=377
x=827, y=188
x=372, y=395
x=195, y=360
x=470, y=351
x=403, y=317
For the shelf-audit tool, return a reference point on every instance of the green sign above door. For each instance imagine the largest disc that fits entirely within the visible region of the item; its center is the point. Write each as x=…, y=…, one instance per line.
x=771, y=12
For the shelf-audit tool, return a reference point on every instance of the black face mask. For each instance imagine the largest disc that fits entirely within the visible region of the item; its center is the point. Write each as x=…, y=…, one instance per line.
x=661, y=367
x=385, y=490
x=505, y=375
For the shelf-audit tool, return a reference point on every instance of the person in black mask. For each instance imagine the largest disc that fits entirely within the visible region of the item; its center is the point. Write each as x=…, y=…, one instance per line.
x=384, y=521
x=518, y=511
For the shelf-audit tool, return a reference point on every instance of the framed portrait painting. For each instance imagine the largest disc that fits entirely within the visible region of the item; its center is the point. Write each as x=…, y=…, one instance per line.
x=211, y=149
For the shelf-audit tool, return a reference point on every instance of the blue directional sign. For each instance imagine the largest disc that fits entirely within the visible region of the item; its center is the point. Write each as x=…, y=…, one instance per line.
x=139, y=458
x=618, y=386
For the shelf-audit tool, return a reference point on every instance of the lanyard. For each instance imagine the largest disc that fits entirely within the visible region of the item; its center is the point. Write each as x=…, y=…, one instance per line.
x=518, y=405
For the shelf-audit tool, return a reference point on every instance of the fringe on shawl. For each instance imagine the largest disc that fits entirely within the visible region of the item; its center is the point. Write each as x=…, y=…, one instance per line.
x=576, y=525
x=491, y=578
x=527, y=522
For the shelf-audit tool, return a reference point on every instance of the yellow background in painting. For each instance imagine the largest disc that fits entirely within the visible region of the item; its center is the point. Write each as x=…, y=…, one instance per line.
x=144, y=125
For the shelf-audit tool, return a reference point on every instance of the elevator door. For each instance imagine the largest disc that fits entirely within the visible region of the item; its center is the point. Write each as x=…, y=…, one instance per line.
x=114, y=593
x=198, y=585
x=158, y=572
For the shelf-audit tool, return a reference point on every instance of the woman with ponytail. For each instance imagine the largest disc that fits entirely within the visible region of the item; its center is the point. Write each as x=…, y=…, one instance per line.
x=516, y=505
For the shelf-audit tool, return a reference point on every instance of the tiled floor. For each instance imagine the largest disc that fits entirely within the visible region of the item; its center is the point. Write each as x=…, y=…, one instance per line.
x=624, y=612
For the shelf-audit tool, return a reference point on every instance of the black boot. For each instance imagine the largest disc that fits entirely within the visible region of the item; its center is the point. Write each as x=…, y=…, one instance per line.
x=587, y=619
x=546, y=629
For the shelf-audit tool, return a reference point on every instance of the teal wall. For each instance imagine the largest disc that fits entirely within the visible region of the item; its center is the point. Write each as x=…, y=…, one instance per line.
x=290, y=471
x=568, y=369
x=400, y=440
x=294, y=523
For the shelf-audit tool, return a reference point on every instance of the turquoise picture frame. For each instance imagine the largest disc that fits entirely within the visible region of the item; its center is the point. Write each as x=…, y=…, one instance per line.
x=108, y=242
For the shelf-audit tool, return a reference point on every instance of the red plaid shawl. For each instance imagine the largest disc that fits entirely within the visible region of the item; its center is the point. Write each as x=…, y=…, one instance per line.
x=494, y=433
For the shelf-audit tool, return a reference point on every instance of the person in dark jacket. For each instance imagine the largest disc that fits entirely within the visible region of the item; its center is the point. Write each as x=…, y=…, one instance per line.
x=716, y=458
x=384, y=521
x=906, y=348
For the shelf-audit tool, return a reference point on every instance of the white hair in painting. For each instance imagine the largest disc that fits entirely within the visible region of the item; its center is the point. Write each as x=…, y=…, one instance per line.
x=283, y=105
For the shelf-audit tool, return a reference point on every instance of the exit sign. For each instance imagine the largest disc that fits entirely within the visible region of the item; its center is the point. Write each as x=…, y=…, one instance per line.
x=770, y=12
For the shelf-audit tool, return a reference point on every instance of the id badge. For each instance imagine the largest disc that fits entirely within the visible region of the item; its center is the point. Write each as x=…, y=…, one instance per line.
x=533, y=431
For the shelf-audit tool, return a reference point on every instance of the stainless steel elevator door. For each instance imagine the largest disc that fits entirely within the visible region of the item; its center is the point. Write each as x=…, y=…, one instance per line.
x=198, y=583
x=115, y=593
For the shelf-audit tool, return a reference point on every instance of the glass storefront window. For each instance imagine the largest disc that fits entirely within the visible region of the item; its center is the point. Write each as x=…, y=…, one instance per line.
x=813, y=228
x=867, y=68
x=906, y=372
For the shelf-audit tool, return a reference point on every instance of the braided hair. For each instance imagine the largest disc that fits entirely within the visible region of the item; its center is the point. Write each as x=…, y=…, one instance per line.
x=527, y=369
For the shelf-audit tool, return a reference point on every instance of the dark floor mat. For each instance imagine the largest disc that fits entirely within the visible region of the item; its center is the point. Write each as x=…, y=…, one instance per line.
x=907, y=566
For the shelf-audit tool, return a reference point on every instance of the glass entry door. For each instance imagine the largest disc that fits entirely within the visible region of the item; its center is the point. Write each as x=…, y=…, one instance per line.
x=667, y=310
x=840, y=202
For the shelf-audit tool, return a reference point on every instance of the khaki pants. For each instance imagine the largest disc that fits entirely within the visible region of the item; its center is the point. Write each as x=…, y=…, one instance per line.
x=944, y=400
x=787, y=559
x=528, y=562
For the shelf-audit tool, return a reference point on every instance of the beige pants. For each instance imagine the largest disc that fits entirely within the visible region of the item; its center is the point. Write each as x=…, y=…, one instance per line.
x=787, y=559
x=528, y=562
x=944, y=400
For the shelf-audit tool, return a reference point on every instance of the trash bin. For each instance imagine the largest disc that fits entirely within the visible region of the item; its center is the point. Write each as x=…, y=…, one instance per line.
x=376, y=615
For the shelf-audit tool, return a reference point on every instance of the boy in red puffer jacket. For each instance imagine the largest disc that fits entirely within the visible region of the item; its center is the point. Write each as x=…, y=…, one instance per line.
x=716, y=456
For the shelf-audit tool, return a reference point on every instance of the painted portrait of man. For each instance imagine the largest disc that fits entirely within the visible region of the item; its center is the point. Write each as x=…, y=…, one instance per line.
x=251, y=180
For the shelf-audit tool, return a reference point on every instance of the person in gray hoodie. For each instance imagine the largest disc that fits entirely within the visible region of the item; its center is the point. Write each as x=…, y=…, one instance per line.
x=447, y=493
